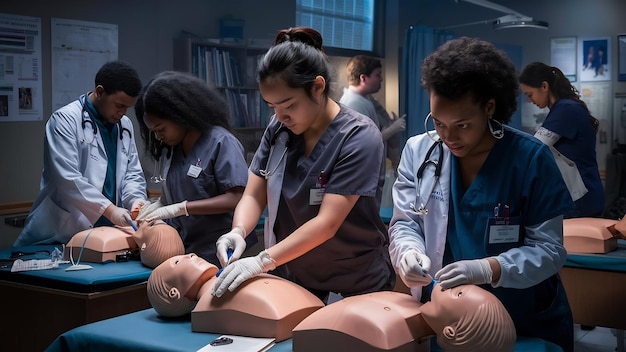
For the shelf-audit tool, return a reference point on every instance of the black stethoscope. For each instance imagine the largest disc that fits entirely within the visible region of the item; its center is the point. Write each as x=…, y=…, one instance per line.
x=283, y=137
x=94, y=128
x=422, y=210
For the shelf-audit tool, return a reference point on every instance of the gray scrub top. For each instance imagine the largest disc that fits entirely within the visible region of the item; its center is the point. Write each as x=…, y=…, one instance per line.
x=350, y=152
x=220, y=156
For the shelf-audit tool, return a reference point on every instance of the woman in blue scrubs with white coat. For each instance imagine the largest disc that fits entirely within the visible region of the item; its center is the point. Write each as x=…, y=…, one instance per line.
x=319, y=169
x=485, y=206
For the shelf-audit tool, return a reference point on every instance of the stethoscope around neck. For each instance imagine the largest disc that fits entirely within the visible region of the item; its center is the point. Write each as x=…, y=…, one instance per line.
x=437, y=164
x=283, y=137
x=89, y=120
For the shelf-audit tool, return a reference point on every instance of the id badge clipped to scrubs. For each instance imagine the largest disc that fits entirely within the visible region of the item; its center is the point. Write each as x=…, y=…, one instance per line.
x=317, y=194
x=194, y=170
x=503, y=231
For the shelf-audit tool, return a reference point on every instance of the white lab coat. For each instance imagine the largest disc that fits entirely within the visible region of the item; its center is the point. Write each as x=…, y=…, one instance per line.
x=541, y=255
x=406, y=223
x=75, y=163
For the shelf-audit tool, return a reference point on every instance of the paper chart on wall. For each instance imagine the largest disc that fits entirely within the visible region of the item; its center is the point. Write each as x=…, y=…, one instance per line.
x=79, y=49
x=20, y=68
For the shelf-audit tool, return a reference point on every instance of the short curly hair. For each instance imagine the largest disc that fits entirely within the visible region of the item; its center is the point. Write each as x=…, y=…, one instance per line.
x=471, y=65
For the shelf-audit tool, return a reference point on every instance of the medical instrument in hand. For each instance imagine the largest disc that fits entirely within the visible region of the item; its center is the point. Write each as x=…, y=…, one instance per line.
x=422, y=210
x=133, y=225
x=94, y=128
x=283, y=136
x=229, y=253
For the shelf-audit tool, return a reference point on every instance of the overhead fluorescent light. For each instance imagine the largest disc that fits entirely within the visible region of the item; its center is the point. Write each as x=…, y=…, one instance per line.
x=514, y=21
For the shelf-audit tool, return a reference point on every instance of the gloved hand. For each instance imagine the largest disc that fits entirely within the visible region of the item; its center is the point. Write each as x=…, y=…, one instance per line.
x=149, y=207
x=135, y=209
x=165, y=212
x=118, y=216
x=399, y=123
x=236, y=273
x=414, y=267
x=476, y=271
x=233, y=239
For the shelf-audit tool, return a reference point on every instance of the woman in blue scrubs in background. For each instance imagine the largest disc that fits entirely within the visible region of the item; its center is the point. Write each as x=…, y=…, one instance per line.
x=185, y=127
x=329, y=236
x=494, y=214
x=569, y=127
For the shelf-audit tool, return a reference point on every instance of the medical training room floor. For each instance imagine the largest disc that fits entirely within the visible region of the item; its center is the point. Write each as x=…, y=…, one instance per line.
x=597, y=340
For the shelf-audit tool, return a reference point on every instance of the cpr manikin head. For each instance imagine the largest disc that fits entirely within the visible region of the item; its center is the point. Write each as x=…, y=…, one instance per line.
x=157, y=242
x=466, y=318
x=174, y=285
x=469, y=318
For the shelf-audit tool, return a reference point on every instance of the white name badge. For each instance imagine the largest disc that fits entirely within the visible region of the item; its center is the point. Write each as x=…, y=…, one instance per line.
x=503, y=234
x=194, y=171
x=316, y=195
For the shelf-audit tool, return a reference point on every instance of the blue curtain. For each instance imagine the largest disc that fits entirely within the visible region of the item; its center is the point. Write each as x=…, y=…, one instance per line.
x=414, y=101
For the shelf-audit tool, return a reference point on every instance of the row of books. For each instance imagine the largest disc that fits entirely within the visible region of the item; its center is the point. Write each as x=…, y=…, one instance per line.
x=248, y=108
x=223, y=67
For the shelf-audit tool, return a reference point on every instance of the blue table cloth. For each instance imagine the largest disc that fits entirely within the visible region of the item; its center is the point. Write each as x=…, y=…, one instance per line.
x=612, y=261
x=146, y=331
x=101, y=277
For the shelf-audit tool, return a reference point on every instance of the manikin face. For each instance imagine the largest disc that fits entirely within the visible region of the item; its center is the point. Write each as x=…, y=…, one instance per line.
x=538, y=96
x=293, y=107
x=112, y=107
x=165, y=130
x=182, y=271
x=158, y=242
x=449, y=306
x=469, y=318
x=462, y=124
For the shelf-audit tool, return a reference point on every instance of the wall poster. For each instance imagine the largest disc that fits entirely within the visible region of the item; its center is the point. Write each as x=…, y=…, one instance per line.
x=563, y=55
x=20, y=68
x=595, y=55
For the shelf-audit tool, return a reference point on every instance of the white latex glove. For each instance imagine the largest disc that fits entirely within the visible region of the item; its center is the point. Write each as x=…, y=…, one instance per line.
x=414, y=267
x=118, y=216
x=135, y=209
x=234, y=240
x=165, y=212
x=243, y=269
x=149, y=207
x=476, y=271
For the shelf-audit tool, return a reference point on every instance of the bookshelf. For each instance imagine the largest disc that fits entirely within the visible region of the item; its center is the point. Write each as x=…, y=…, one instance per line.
x=230, y=68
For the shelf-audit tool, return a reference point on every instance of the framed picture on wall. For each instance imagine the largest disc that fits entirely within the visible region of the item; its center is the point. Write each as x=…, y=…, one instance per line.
x=595, y=59
x=563, y=55
x=621, y=57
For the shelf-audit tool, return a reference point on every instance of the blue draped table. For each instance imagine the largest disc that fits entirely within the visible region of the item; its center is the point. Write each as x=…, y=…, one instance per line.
x=39, y=305
x=145, y=331
x=596, y=287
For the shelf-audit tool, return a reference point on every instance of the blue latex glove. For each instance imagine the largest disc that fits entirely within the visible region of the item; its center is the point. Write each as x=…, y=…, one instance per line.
x=463, y=272
x=236, y=273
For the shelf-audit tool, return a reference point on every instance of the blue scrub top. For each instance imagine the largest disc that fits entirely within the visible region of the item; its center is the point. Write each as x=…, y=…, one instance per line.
x=220, y=156
x=519, y=172
x=350, y=152
x=572, y=122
